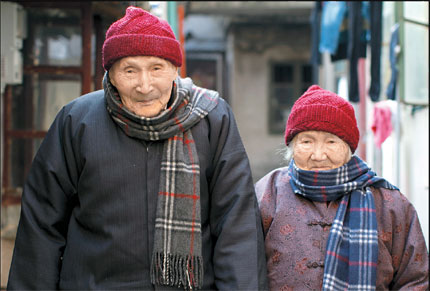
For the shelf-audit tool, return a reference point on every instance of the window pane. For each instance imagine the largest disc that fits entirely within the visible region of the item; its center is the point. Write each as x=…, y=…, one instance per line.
x=21, y=107
x=283, y=73
x=416, y=10
x=416, y=64
x=284, y=96
x=57, y=37
x=37, y=102
x=282, y=99
x=289, y=81
x=307, y=74
x=203, y=73
x=50, y=96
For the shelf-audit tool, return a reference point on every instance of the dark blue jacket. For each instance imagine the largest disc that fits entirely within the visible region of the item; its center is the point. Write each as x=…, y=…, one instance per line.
x=88, y=206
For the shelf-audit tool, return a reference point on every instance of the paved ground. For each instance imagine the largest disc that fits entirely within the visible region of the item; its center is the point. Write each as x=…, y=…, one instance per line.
x=6, y=256
x=9, y=223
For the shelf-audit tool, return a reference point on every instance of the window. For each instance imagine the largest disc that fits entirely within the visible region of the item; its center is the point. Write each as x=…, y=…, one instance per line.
x=56, y=71
x=206, y=70
x=288, y=81
x=61, y=47
x=413, y=63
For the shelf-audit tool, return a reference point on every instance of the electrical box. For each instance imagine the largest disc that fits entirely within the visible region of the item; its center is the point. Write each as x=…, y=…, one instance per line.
x=13, y=31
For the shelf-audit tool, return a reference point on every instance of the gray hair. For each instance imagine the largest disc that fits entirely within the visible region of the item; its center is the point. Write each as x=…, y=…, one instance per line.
x=288, y=152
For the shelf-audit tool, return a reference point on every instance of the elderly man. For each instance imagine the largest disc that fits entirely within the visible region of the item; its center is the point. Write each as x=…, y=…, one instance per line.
x=329, y=222
x=143, y=185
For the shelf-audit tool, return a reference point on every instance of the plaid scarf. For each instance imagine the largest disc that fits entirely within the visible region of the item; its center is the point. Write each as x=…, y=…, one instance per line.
x=352, y=247
x=177, y=255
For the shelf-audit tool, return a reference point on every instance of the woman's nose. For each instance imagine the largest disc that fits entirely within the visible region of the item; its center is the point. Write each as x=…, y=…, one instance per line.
x=319, y=153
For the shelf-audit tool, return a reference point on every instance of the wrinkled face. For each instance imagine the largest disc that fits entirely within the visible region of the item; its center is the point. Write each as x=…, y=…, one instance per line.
x=319, y=151
x=144, y=83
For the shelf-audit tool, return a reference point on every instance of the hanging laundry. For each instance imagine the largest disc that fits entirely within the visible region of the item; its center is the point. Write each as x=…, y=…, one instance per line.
x=394, y=45
x=354, y=32
x=315, y=21
x=375, y=10
x=333, y=14
x=355, y=48
x=347, y=27
x=382, y=124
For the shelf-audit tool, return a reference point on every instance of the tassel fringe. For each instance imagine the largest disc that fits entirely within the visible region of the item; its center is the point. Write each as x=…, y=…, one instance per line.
x=177, y=270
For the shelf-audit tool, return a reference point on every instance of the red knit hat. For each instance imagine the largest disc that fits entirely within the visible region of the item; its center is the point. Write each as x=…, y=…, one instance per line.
x=322, y=110
x=139, y=33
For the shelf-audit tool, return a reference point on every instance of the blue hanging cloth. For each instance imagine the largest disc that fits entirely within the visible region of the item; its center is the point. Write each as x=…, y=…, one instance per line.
x=346, y=29
x=391, y=89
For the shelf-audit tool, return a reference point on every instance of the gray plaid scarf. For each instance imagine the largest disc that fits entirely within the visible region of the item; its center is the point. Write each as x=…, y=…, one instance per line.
x=177, y=255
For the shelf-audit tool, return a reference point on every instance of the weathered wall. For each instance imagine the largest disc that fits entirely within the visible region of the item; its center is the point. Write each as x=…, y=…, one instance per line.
x=253, y=48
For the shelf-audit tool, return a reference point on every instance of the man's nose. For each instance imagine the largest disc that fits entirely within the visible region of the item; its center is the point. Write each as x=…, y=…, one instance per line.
x=144, y=83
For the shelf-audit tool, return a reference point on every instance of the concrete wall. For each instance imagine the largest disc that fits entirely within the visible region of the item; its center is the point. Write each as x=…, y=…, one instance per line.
x=414, y=162
x=251, y=51
x=403, y=158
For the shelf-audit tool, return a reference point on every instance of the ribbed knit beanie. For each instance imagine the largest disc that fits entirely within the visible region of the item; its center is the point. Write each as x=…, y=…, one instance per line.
x=322, y=110
x=139, y=33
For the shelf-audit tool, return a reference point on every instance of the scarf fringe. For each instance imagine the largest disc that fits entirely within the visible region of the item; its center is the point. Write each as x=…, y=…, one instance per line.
x=182, y=271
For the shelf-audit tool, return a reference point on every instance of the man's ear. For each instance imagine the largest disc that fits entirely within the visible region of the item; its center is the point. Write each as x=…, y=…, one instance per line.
x=110, y=77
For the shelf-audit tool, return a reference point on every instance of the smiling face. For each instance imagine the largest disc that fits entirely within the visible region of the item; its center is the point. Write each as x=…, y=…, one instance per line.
x=144, y=83
x=319, y=151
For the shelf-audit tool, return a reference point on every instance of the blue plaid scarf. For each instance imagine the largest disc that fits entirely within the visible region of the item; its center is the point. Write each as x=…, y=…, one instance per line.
x=352, y=247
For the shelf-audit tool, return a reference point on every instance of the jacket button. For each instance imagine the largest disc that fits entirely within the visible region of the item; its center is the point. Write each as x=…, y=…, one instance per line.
x=315, y=265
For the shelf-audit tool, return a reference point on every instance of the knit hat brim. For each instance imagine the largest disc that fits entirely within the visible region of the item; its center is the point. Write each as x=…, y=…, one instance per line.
x=126, y=45
x=322, y=110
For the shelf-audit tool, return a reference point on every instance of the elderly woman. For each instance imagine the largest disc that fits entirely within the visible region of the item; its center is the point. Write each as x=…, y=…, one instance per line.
x=329, y=221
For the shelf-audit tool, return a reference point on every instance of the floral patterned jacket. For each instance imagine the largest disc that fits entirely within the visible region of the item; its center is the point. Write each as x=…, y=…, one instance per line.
x=296, y=231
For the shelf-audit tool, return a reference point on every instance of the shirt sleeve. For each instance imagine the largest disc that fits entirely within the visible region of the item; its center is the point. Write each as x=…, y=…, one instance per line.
x=401, y=233
x=239, y=258
x=45, y=212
